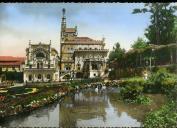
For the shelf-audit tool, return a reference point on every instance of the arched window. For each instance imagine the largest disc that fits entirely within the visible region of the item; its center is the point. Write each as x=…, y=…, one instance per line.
x=94, y=66
x=67, y=67
x=40, y=55
x=39, y=76
x=87, y=67
x=48, y=76
x=37, y=65
x=78, y=66
x=30, y=77
x=41, y=65
x=48, y=65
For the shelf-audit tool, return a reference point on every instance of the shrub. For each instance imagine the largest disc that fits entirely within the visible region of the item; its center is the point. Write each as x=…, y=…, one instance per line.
x=161, y=81
x=16, y=90
x=134, y=80
x=131, y=91
x=19, y=90
x=141, y=99
x=166, y=117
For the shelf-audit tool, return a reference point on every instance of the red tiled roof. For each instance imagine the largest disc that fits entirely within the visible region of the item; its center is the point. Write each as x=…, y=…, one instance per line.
x=10, y=60
x=83, y=39
x=10, y=63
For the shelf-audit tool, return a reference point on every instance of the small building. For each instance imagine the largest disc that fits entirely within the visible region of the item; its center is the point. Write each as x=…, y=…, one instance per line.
x=11, y=68
x=41, y=64
x=10, y=63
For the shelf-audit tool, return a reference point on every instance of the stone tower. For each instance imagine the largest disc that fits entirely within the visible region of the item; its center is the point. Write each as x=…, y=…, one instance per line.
x=63, y=25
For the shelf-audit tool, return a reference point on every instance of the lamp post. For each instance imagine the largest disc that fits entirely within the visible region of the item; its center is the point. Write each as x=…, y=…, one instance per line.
x=150, y=61
x=176, y=55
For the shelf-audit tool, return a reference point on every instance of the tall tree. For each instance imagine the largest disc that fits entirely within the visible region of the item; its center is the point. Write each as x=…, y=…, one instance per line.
x=116, y=53
x=140, y=43
x=160, y=31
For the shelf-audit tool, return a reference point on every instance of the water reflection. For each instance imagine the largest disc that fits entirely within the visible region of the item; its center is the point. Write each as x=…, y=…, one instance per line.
x=86, y=108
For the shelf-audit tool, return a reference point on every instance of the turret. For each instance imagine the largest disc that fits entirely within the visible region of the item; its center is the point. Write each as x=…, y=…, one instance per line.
x=63, y=23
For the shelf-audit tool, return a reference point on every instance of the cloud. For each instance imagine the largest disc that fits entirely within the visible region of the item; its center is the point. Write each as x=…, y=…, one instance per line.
x=48, y=9
x=20, y=22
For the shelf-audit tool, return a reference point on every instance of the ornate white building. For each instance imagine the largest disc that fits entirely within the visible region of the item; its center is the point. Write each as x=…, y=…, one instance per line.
x=41, y=64
x=82, y=57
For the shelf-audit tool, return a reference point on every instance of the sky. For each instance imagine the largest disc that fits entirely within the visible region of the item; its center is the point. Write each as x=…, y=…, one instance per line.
x=41, y=22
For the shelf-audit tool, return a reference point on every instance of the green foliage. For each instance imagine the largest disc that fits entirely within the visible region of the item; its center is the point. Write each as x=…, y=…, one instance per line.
x=173, y=94
x=133, y=81
x=116, y=53
x=140, y=43
x=67, y=77
x=161, y=81
x=18, y=90
x=112, y=74
x=14, y=76
x=166, y=117
x=161, y=29
x=141, y=99
x=131, y=91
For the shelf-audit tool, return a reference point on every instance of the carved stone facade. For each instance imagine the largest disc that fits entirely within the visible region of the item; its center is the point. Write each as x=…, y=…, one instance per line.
x=41, y=64
x=81, y=57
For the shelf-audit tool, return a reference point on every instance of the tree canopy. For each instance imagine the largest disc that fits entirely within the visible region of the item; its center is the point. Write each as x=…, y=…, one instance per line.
x=140, y=43
x=117, y=52
x=162, y=18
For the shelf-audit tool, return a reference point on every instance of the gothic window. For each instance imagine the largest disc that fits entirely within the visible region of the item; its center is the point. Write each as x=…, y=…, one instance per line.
x=48, y=76
x=67, y=67
x=30, y=66
x=87, y=67
x=40, y=55
x=39, y=76
x=30, y=77
x=94, y=67
x=41, y=65
x=78, y=66
x=37, y=65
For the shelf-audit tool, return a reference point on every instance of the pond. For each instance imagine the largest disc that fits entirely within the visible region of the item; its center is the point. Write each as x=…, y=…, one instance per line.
x=87, y=108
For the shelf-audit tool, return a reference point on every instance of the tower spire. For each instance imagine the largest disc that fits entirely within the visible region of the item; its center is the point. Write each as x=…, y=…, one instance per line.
x=64, y=11
x=63, y=23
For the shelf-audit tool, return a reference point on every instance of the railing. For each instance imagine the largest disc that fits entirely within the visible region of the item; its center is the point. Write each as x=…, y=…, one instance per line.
x=78, y=50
